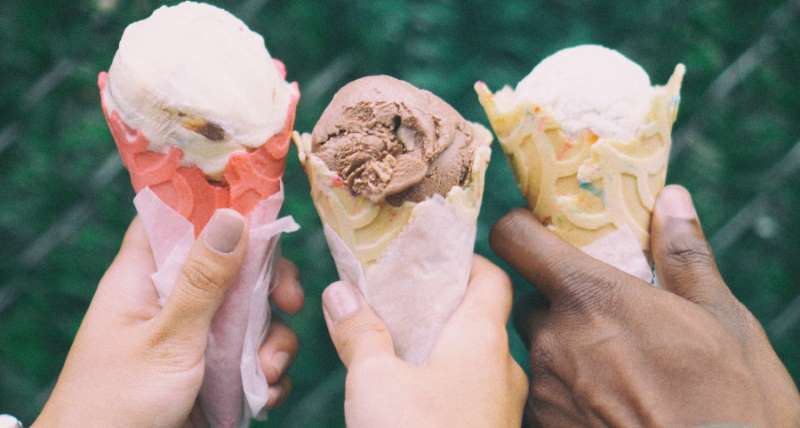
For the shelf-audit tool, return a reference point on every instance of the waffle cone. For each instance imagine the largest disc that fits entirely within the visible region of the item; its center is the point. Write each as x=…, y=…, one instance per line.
x=586, y=187
x=368, y=228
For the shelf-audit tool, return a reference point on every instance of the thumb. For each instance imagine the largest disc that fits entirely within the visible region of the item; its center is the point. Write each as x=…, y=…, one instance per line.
x=488, y=296
x=478, y=325
x=684, y=262
x=211, y=267
x=357, y=332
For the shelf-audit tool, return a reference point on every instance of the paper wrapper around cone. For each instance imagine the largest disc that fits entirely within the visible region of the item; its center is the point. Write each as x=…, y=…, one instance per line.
x=174, y=203
x=596, y=193
x=411, y=262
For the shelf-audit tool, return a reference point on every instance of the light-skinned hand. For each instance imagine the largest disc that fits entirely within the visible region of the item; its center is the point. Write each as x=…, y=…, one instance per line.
x=469, y=380
x=608, y=349
x=135, y=363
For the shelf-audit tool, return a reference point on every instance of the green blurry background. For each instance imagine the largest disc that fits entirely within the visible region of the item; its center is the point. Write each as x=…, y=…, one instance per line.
x=66, y=201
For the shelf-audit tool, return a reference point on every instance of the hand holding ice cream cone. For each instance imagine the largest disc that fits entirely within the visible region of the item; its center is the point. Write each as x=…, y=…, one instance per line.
x=202, y=115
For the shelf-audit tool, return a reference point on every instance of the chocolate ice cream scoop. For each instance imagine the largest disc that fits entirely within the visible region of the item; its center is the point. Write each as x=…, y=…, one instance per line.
x=389, y=140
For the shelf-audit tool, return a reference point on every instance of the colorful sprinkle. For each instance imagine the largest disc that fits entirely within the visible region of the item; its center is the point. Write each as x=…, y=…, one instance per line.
x=589, y=187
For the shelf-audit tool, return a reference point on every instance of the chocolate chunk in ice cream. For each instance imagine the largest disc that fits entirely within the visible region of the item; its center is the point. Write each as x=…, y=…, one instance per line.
x=389, y=140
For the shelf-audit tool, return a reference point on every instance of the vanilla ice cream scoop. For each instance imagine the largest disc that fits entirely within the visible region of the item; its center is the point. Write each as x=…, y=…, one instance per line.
x=195, y=77
x=590, y=87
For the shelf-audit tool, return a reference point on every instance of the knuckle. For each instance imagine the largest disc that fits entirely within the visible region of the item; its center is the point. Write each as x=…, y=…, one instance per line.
x=742, y=322
x=688, y=252
x=585, y=394
x=281, y=337
x=542, y=351
x=201, y=277
x=749, y=320
x=506, y=226
x=541, y=344
x=568, y=274
x=362, y=326
x=352, y=330
x=163, y=349
x=546, y=393
x=541, y=390
x=157, y=338
x=587, y=290
x=163, y=354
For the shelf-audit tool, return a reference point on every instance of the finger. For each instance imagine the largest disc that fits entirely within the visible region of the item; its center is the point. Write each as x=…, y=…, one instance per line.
x=276, y=394
x=135, y=244
x=529, y=316
x=488, y=295
x=134, y=253
x=288, y=294
x=684, y=262
x=127, y=285
x=556, y=268
x=211, y=267
x=278, y=351
x=356, y=330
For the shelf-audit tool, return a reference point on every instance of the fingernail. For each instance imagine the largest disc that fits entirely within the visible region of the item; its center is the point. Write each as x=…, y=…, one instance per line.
x=677, y=202
x=340, y=300
x=224, y=230
x=280, y=361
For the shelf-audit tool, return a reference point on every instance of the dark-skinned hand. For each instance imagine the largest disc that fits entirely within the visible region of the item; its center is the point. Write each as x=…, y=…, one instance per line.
x=608, y=349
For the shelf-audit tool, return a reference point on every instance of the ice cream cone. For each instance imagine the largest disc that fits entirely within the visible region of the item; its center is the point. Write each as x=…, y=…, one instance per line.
x=248, y=177
x=368, y=228
x=252, y=186
x=412, y=261
x=202, y=116
x=585, y=187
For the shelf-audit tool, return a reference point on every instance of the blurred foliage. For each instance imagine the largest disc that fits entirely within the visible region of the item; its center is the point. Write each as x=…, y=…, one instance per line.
x=53, y=140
